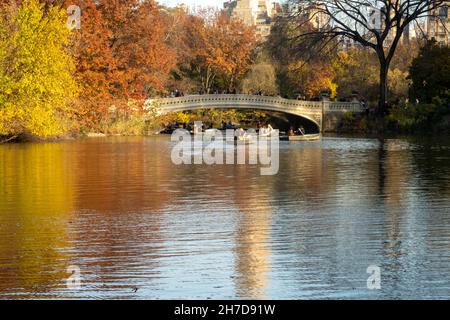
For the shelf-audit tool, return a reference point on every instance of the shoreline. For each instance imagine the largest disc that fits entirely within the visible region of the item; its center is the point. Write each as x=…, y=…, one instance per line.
x=97, y=135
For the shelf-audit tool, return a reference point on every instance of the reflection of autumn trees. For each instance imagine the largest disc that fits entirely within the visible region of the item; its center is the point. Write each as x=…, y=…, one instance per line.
x=251, y=194
x=123, y=183
x=407, y=180
x=37, y=198
x=433, y=165
x=397, y=166
x=311, y=172
x=41, y=201
x=304, y=176
x=122, y=175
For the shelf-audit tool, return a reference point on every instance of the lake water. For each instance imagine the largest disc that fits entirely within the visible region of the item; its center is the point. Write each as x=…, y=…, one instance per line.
x=139, y=227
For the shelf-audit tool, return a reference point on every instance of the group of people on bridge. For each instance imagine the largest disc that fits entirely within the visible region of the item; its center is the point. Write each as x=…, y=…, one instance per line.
x=179, y=93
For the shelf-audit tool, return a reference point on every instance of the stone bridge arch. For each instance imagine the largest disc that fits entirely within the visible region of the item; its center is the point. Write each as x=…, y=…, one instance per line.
x=313, y=111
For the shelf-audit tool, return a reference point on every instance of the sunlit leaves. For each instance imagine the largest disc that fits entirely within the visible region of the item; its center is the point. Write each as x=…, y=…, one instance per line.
x=36, y=71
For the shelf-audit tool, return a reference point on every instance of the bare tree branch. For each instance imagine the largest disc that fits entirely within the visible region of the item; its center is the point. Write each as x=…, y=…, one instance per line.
x=377, y=24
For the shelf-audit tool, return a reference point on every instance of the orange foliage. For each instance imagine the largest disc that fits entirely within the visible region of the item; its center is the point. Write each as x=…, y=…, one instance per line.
x=232, y=43
x=217, y=46
x=313, y=77
x=138, y=43
x=95, y=66
x=121, y=56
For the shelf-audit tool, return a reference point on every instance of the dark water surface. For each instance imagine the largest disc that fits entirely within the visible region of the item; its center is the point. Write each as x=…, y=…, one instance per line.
x=129, y=219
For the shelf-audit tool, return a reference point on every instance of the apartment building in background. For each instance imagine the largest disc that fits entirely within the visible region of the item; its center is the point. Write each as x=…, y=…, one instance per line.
x=261, y=14
x=258, y=13
x=438, y=24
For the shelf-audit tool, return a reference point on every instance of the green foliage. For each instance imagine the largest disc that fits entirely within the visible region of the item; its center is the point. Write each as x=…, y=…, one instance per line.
x=348, y=119
x=356, y=122
x=363, y=124
x=348, y=122
x=418, y=117
x=356, y=70
x=430, y=73
x=261, y=77
x=36, y=82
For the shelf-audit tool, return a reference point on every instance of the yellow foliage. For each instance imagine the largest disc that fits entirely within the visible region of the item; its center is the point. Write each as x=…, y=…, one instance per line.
x=183, y=117
x=313, y=77
x=356, y=70
x=36, y=84
x=398, y=82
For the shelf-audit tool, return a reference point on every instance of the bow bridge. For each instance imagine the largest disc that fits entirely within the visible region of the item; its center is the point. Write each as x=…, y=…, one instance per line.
x=315, y=111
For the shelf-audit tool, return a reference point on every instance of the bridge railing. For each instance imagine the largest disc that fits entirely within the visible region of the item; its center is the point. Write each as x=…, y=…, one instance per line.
x=337, y=106
x=253, y=100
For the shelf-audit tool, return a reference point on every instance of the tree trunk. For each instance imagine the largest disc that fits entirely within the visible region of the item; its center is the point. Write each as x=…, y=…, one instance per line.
x=231, y=85
x=382, y=105
x=9, y=139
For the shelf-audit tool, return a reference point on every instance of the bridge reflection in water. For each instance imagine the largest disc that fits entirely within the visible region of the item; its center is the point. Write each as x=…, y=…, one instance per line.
x=314, y=111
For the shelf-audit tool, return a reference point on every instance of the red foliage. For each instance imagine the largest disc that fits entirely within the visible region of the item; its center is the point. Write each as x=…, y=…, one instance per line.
x=121, y=56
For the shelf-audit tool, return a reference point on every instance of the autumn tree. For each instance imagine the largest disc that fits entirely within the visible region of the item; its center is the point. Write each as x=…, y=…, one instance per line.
x=261, y=77
x=139, y=45
x=356, y=69
x=36, y=84
x=96, y=70
x=301, y=71
x=214, y=45
x=232, y=44
x=195, y=59
x=312, y=78
x=375, y=24
x=177, y=21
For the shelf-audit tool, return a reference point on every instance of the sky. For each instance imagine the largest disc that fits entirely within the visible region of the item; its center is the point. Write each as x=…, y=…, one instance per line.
x=209, y=3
